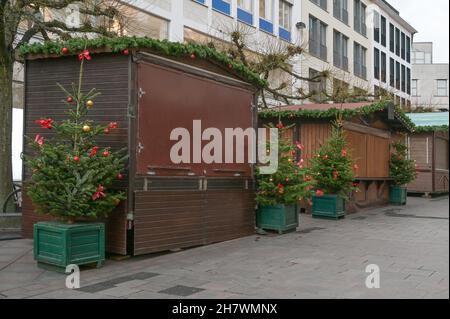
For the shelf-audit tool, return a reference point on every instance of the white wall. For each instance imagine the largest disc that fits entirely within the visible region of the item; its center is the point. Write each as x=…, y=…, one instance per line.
x=17, y=141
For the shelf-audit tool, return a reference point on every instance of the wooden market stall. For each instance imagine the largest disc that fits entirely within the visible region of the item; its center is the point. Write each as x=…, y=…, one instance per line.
x=429, y=147
x=149, y=89
x=369, y=128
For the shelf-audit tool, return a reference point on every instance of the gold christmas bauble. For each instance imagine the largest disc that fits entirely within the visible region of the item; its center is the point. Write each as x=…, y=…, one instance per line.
x=86, y=128
x=89, y=104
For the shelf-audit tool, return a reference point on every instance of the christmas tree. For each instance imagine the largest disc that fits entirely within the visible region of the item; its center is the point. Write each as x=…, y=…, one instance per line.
x=290, y=183
x=71, y=175
x=332, y=168
x=402, y=169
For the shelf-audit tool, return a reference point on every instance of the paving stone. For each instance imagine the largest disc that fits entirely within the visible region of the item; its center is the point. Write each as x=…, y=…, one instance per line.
x=180, y=290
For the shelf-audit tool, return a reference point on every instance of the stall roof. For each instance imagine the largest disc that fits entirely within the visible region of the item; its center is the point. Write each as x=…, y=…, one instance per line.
x=118, y=45
x=429, y=122
x=386, y=109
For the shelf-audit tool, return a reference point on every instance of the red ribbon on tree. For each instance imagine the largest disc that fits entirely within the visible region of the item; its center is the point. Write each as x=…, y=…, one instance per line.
x=93, y=151
x=45, y=123
x=99, y=193
x=39, y=140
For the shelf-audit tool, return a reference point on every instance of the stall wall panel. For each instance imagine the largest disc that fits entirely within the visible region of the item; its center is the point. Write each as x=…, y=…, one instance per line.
x=378, y=154
x=357, y=143
x=109, y=75
x=442, y=156
x=421, y=150
x=313, y=136
x=175, y=219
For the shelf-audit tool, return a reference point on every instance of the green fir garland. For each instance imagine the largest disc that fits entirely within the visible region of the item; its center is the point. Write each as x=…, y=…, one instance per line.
x=334, y=112
x=163, y=47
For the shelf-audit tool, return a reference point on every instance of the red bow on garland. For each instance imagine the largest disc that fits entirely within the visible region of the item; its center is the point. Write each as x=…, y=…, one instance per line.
x=84, y=55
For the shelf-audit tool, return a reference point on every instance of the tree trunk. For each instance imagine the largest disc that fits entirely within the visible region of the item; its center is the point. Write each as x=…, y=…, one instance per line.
x=6, y=74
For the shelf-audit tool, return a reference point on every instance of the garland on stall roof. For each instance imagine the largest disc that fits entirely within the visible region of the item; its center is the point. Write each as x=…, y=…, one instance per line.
x=163, y=47
x=335, y=111
x=429, y=129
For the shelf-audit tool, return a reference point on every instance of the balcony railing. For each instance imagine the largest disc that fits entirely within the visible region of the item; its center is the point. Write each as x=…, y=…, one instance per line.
x=340, y=61
x=360, y=70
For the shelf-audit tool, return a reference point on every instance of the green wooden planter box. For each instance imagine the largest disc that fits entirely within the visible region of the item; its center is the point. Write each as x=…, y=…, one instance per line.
x=328, y=206
x=397, y=195
x=280, y=218
x=57, y=245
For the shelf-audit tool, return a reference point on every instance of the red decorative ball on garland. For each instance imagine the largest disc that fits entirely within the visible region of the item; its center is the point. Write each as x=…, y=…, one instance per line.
x=120, y=176
x=106, y=131
x=69, y=99
x=193, y=56
x=64, y=50
x=76, y=159
x=126, y=52
x=105, y=153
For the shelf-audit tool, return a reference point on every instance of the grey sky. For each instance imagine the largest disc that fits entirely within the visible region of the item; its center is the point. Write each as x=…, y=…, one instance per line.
x=430, y=18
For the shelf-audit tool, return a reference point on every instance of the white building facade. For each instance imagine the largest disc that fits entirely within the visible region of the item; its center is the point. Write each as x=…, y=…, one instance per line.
x=391, y=38
x=429, y=80
x=362, y=43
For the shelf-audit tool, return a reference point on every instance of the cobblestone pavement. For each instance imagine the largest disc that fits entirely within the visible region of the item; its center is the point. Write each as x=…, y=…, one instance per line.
x=322, y=259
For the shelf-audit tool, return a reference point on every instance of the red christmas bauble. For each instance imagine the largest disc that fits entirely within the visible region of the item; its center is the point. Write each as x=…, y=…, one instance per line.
x=126, y=52
x=105, y=153
x=106, y=131
x=69, y=99
x=119, y=176
x=76, y=159
x=64, y=50
x=193, y=56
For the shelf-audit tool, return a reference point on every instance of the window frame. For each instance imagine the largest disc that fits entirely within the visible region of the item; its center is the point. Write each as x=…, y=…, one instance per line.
x=441, y=88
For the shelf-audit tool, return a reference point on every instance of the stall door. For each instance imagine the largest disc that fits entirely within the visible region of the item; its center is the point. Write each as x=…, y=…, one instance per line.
x=195, y=203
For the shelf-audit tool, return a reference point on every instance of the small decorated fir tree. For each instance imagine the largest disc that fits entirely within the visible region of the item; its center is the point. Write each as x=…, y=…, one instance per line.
x=402, y=169
x=70, y=173
x=290, y=183
x=332, y=168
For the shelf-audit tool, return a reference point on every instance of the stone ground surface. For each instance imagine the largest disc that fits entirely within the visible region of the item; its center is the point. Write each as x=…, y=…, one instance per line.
x=322, y=259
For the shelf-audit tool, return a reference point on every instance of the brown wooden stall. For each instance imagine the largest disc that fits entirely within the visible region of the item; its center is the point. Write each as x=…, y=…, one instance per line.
x=369, y=129
x=168, y=205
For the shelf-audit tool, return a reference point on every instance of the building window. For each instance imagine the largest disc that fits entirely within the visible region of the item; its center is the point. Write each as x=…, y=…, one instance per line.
x=403, y=46
x=340, y=10
x=360, y=17
x=408, y=49
x=245, y=11
x=223, y=6
x=266, y=15
x=441, y=86
x=403, y=79
x=383, y=31
x=408, y=81
x=397, y=75
x=397, y=42
x=340, y=50
x=285, y=16
x=415, y=87
x=392, y=72
x=383, y=67
x=376, y=57
x=376, y=26
x=317, y=38
x=359, y=58
x=320, y=3
x=391, y=37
